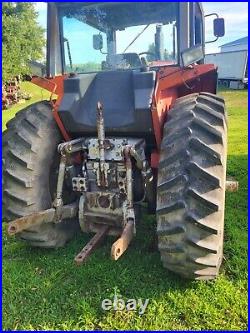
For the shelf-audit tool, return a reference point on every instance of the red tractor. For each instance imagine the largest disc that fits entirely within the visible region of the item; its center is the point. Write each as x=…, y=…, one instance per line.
x=133, y=118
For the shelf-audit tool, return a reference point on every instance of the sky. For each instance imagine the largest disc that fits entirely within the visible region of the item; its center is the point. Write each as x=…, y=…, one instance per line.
x=234, y=13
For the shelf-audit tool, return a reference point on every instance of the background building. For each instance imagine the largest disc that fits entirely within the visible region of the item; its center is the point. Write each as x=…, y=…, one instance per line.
x=236, y=45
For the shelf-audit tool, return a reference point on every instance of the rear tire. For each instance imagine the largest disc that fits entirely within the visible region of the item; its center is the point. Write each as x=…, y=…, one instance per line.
x=30, y=166
x=191, y=187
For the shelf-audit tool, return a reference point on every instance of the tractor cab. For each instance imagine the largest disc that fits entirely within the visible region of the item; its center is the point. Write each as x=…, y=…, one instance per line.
x=97, y=36
x=90, y=37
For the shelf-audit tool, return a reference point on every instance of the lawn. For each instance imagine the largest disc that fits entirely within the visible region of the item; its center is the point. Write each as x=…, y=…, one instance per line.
x=44, y=290
x=37, y=94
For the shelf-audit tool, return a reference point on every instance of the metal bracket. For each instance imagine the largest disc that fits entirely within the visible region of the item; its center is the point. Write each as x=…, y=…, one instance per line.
x=91, y=245
x=122, y=243
x=45, y=216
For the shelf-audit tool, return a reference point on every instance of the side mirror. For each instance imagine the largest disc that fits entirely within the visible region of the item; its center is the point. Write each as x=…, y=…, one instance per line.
x=97, y=42
x=219, y=27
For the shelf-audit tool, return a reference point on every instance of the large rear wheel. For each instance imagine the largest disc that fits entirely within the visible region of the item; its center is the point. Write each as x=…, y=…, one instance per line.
x=30, y=166
x=191, y=186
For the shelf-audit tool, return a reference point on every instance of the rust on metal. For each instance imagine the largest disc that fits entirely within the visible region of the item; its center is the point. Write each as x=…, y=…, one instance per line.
x=45, y=216
x=232, y=185
x=121, y=245
x=100, y=131
x=103, y=181
x=129, y=179
x=91, y=245
x=31, y=220
x=58, y=202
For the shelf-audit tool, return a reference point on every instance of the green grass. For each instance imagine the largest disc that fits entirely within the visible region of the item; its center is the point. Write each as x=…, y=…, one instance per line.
x=37, y=94
x=44, y=290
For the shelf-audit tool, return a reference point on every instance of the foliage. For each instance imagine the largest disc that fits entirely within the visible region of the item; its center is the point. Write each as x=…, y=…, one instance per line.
x=151, y=49
x=37, y=94
x=22, y=38
x=86, y=67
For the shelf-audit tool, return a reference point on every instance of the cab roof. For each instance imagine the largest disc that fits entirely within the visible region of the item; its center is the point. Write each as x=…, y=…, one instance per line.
x=119, y=15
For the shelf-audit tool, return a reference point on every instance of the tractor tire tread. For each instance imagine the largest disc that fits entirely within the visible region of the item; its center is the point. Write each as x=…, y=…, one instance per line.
x=191, y=186
x=29, y=147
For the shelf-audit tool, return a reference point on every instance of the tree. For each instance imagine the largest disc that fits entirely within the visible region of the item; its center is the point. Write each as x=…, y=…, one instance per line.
x=151, y=49
x=151, y=57
x=22, y=38
x=167, y=55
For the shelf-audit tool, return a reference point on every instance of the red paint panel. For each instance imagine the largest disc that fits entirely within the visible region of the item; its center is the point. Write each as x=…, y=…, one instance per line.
x=55, y=86
x=173, y=82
